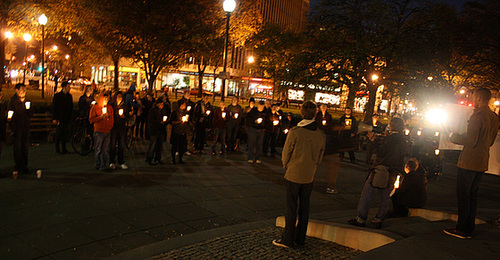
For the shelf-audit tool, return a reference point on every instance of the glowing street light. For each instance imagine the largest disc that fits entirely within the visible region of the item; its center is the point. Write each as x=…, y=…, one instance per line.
x=67, y=56
x=27, y=38
x=462, y=91
x=374, y=77
x=54, y=48
x=228, y=6
x=9, y=35
x=42, y=20
x=251, y=59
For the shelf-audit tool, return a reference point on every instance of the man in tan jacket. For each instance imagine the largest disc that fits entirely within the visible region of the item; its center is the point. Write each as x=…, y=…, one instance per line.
x=303, y=151
x=482, y=129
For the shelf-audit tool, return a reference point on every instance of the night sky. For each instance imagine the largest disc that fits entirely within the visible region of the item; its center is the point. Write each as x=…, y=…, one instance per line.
x=456, y=3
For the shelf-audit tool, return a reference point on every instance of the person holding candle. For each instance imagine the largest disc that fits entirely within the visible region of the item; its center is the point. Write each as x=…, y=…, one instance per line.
x=273, y=128
x=156, y=121
x=180, y=127
x=118, y=132
x=102, y=116
x=62, y=110
x=235, y=115
x=348, y=134
x=19, y=113
x=256, y=127
x=302, y=152
x=412, y=192
x=202, y=116
x=220, y=122
x=374, y=138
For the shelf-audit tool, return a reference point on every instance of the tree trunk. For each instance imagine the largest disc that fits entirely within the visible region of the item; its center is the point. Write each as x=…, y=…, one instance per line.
x=371, y=103
x=151, y=82
x=2, y=61
x=116, y=85
x=351, y=96
x=201, y=72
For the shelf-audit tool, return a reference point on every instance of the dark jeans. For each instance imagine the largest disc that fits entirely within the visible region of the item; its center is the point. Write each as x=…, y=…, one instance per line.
x=101, y=146
x=352, y=156
x=255, y=142
x=400, y=210
x=231, y=134
x=367, y=195
x=270, y=142
x=20, y=145
x=61, y=137
x=155, y=148
x=297, y=201
x=200, y=136
x=220, y=136
x=467, y=188
x=117, y=145
x=139, y=126
x=179, y=145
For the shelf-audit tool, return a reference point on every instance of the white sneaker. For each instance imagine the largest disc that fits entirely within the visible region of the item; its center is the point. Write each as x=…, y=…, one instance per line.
x=112, y=166
x=124, y=166
x=258, y=161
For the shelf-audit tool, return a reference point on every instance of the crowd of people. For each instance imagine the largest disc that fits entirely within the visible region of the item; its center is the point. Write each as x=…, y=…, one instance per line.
x=263, y=125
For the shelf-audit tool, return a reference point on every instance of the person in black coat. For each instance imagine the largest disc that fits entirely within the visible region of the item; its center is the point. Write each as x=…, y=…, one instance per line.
x=19, y=112
x=203, y=117
x=3, y=122
x=180, y=128
x=118, y=132
x=256, y=125
x=235, y=115
x=156, y=122
x=348, y=134
x=412, y=193
x=62, y=110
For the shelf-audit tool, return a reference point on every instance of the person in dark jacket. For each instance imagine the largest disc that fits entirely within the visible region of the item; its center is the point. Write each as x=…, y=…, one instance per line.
x=19, y=113
x=390, y=155
x=62, y=110
x=167, y=111
x=235, y=115
x=202, y=116
x=3, y=122
x=118, y=132
x=348, y=134
x=220, y=121
x=156, y=120
x=412, y=193
x=180, y=127
x=374, y=138
x=256, y=126
x=148, y=102
x=273, y=128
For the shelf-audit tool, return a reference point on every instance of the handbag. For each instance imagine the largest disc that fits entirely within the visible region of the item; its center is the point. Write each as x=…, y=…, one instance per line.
x=380, y=176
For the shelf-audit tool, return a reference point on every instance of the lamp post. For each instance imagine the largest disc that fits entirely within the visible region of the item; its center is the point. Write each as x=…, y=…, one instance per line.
x=229, y=6
x=42, y=20
x=27, y=38
x=7, y=35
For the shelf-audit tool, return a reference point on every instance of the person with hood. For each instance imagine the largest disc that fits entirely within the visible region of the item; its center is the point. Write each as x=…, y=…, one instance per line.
x=62, y=110
x=156, y=120
x=118, y=132
x=129, y=96
x=102, y=116
x=303, y=151
x=19, y=112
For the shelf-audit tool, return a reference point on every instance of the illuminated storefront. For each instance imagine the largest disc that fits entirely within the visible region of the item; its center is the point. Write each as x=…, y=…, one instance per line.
x=259, y=88
x=325, y=98
x=296, y=95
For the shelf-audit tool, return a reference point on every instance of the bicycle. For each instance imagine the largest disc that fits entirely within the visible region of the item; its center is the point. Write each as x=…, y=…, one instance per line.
x=82, y=141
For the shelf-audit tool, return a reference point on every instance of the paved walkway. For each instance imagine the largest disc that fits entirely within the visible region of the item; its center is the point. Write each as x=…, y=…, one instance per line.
x=74, y=211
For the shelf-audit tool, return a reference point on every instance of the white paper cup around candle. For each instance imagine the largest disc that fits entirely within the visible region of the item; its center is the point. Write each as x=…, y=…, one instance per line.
x=236, y=115
x=223, y=114
x=347, y=122
x=104, y=110
x=436, y=134
x=276, y=122
x=396, y=184
x=188, y=108
x=407, y=132
x=323, y=122
x=208, y=112
x=10, y=114
x=285, y=131
x=39, y=174
x=120, y=112
x=27, y=104
x=280, y=117
x=419, y=133
x=93, y=102
x=165, y=118
x=259, y=120
x=184, y=118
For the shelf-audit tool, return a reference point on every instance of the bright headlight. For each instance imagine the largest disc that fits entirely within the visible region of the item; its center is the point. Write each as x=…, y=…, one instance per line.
x=436, y=116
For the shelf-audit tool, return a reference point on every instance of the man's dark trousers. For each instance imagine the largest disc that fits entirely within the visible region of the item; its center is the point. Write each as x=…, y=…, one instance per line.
x=467, y=187
x=61, y=137
x=297, y=201
x=20, y=146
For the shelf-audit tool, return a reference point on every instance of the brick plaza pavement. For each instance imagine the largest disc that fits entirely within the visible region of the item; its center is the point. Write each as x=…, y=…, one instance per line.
x=74, y=211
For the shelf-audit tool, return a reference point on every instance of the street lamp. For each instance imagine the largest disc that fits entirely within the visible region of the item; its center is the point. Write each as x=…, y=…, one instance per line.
x=374, y=77
x=7, y=35
x=251, y=59
x=229, y=6
x=42, y=20
x=27, y=38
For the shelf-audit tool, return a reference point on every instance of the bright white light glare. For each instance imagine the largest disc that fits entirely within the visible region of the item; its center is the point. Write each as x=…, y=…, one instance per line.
x=42, y=19
x=8, y=35
x=436, y=116
x=374, y=77
x=407, y=132
x=462, y=91
x=27, y=37
x=419, y=132
x=436, y=134
x=251, y=59
x=436, y=152
x=497, y=103
x=229, y=5
x=14, y=73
